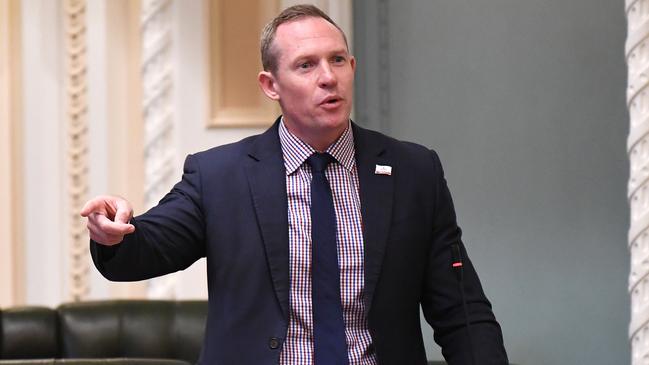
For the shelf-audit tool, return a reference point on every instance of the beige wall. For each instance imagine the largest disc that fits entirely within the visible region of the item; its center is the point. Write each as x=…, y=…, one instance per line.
x=115, y=133
x=43, y=152
x=11, y=222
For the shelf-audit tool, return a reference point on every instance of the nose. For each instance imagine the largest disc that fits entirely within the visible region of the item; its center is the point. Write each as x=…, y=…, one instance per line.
x=326, y=77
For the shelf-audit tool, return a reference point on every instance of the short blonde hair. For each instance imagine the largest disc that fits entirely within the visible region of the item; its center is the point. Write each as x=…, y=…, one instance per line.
x=268, y=55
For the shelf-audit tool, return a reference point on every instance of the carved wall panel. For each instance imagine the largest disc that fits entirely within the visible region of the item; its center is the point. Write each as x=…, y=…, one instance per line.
x=77, y=147
x=233, y=41
x=637, y=56
x=157, y=109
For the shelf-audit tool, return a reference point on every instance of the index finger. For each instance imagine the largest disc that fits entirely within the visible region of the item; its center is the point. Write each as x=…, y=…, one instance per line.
x=91, y=205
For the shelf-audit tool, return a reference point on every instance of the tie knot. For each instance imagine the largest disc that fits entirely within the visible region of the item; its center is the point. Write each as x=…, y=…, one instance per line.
x=319, y=161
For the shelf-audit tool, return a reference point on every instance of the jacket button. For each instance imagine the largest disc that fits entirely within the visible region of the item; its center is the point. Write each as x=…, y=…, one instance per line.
x=273, y=343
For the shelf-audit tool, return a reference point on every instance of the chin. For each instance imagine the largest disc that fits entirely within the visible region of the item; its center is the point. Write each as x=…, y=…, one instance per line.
x=338, y=123
x=335, y=120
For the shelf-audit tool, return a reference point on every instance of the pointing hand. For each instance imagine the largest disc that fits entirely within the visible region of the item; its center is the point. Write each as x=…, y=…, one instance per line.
x=108, y=219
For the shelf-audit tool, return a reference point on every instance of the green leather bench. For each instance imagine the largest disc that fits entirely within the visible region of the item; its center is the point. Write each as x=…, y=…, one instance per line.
x=128, y=332
x=116, y=332
x=117, y=361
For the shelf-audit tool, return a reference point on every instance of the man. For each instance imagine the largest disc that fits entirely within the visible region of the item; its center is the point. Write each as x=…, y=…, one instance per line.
x=322, y=239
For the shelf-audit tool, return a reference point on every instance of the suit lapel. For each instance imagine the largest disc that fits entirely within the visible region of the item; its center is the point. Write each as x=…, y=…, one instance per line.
x=267, y=180
x=376, y=193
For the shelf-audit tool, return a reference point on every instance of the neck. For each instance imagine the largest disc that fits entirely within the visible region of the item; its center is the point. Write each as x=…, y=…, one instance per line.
x=320, y=139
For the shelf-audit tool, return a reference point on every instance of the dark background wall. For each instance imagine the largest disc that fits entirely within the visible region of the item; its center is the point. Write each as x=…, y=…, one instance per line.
x=525, y=103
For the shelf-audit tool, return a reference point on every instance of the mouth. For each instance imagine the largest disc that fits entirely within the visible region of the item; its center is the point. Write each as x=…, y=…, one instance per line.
x=331, y=101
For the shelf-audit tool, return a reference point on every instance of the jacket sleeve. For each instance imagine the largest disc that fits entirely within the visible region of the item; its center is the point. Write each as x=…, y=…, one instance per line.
x=167, y=238
x=442, y=299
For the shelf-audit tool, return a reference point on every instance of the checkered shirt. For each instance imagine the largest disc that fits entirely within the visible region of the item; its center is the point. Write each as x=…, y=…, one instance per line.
x=343, y=179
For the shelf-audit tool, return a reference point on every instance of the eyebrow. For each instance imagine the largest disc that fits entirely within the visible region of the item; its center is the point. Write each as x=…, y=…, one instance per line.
x=310, y=55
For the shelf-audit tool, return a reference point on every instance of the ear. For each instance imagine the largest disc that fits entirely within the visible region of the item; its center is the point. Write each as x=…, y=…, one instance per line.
x=268, y=84
x=352, y=62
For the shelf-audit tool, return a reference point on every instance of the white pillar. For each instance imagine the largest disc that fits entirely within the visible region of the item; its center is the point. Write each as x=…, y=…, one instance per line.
x=45, y=229
x=76, y=103
x=637, y=56
x=157, y=106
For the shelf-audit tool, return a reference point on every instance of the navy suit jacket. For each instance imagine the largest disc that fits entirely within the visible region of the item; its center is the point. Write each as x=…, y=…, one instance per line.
x=231, y=207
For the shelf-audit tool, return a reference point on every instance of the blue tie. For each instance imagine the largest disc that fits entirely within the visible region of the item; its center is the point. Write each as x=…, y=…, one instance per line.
x=329, y=345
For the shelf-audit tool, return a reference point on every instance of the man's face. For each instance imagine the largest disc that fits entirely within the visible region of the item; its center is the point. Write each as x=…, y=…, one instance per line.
x=314, y=80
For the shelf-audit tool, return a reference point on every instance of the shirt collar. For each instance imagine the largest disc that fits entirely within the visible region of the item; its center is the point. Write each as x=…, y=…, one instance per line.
x=296, y=151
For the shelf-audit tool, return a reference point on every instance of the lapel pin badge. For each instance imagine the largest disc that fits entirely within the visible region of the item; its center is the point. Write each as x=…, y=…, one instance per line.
x=383, y=170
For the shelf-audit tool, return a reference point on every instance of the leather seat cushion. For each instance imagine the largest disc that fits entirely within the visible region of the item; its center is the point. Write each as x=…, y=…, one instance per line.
x=35, y=326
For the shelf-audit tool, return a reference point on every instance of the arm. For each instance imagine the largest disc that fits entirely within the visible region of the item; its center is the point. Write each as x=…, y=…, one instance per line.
x=167, y=238
x=442, y=302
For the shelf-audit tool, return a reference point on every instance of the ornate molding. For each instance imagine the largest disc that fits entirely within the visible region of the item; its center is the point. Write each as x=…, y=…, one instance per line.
x=77, y=145
x=637, y=56
x=157, y=106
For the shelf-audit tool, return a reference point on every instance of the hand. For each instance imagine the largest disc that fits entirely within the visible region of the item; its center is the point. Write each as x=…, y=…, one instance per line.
x=108, y=219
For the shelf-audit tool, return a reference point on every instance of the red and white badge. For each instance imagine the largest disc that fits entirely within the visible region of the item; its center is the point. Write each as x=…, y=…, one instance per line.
x=383, y=170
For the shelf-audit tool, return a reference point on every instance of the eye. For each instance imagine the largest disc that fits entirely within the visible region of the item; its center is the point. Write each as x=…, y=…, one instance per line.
x=304, y=65
x=339, y=59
